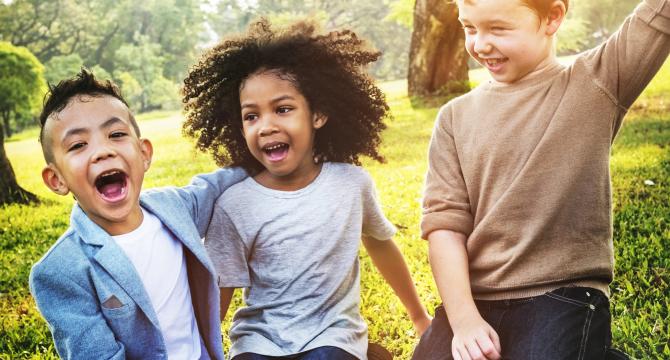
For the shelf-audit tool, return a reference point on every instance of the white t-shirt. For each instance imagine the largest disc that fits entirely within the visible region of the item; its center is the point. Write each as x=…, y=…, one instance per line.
x=159, y=260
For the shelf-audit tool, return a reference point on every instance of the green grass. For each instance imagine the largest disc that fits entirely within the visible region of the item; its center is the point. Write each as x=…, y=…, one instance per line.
x=640, y=291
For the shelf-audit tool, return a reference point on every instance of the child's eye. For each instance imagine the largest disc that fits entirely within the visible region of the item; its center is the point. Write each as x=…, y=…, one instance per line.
x=250, y=117
x=76, y=146
x=284, y=109
x=469, y=29
x=117, y=134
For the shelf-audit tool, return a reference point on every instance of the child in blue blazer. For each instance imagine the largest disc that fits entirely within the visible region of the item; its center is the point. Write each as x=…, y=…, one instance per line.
x=130, y=277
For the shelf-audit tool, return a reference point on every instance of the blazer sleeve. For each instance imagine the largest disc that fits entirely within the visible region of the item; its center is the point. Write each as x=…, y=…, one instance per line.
x=201, y=194
x=74, y=317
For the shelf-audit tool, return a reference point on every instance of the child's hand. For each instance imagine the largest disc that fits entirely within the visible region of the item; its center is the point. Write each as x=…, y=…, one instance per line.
x=422, y=322
x=475, y=339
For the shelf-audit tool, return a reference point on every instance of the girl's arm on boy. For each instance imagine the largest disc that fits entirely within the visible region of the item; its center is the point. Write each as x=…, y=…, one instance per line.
x=389, y=261
x=473, y=338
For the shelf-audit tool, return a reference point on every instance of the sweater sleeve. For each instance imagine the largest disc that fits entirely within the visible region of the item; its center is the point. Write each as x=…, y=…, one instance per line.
x=624, y=64
x=446, y=203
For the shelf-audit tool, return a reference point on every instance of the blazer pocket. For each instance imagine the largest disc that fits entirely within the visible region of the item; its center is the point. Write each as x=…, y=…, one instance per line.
x=113, y=308
x=112, y=303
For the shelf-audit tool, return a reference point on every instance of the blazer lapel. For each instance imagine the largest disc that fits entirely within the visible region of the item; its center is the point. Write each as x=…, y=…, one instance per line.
x=114, y=261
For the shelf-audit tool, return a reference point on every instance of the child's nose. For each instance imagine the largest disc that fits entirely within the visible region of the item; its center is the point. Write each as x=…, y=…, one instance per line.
x=103, y=152
x=482, y=45
x=268, y=126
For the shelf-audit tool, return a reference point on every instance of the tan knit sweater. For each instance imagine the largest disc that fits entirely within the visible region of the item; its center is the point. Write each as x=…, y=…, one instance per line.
x=523, y=169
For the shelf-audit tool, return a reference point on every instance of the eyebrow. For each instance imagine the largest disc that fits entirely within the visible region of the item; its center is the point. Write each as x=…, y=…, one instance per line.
x=489, y=22
x=273, y=101
x=76, y=131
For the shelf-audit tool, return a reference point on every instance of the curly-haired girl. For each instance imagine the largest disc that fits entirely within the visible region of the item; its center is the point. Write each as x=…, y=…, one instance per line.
x=296, y=110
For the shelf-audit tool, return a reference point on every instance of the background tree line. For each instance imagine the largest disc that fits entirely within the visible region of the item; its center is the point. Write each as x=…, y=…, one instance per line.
x=147, y=46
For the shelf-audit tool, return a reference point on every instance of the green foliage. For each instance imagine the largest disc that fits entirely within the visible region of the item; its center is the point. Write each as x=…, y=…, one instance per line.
x=152, y=40
x=21, y=83
x=589, y=23
x=62, y=67
x=390, y=33
x=402, y=12
x=101, y=73
x=640, y=291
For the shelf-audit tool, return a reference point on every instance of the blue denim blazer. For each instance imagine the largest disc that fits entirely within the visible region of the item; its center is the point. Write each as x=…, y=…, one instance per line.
x=77, y=279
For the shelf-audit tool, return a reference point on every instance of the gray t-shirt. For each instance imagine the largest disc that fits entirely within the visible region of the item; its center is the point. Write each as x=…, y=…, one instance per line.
x=296, y=255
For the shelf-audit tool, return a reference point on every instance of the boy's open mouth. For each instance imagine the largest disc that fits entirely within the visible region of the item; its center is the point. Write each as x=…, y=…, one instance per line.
x=494, y=64
x=276, y=151
x=111, y=185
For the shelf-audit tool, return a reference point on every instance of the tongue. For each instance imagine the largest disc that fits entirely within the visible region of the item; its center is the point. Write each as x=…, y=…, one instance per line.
x=112, y=191
x=278, y=154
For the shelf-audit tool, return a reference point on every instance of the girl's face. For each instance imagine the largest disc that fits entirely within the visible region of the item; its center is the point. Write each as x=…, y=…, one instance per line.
x=279, y=129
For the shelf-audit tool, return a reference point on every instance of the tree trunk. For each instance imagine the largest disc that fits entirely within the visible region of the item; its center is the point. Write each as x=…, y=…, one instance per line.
x=10, y=191
x=8, y=129
x=438, y=62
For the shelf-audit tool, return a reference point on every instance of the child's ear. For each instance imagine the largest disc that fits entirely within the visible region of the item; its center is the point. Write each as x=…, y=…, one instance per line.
x=54, y=181
x=319, y=120
x=555, y=17
x=147, y=152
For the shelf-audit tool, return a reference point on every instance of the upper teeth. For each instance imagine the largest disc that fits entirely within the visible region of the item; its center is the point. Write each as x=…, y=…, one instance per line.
x=493, y=61
x=274, y=147
x=113, y=172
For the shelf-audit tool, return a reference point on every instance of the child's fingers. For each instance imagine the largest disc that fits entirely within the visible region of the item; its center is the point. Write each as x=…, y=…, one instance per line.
x=457, y=350
x=463, y=354
x=496, y=341
x=488, y=347
x=473, y=350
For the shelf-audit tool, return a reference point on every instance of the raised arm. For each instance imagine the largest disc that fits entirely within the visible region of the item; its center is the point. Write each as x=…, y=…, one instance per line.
x=388, y=259
x=74, y=316
x=629, y=59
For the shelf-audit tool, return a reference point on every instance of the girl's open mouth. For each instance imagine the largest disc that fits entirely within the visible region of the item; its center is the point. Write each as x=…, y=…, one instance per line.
x=112, y=185
x=276, y=151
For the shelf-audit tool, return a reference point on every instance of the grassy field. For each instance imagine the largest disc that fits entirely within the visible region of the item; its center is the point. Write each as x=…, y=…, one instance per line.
x=640, y=292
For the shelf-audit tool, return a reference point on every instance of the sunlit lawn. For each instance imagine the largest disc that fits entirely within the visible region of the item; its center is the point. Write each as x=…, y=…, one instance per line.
x=641, y=223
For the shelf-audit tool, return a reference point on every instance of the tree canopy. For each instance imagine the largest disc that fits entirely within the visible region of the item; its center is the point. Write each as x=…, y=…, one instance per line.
x=21, y=87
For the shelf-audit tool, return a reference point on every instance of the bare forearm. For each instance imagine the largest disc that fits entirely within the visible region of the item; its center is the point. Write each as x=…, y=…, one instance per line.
x=449, y=262
x=226, y=297
x=388, y=259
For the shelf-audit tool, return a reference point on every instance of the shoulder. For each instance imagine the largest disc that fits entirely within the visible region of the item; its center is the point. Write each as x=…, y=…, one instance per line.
x=348, y=177
x=165, y=196
x=65, y=254
x=353, y=173
x=459, y=106
x=237, y=199
x=236, y=193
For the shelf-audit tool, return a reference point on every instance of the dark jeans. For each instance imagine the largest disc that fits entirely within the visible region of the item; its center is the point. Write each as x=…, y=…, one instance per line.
x=570, y=323
x=321, y=353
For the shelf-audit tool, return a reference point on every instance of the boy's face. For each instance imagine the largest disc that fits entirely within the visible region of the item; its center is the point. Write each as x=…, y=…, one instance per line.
x=507, y=37
x=100, y=159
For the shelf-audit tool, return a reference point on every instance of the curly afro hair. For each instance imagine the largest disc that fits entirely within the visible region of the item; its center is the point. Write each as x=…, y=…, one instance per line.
x=328, y=70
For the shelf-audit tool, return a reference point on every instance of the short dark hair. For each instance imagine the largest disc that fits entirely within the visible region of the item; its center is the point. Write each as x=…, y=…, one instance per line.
x=84, y=83
x=327, y=69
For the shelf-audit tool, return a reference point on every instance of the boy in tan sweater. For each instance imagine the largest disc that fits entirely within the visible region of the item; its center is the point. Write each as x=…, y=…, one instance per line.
x=517, y=205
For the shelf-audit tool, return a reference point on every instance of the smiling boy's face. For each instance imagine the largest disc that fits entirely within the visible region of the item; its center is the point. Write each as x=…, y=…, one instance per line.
x=100, y=159
x=507, y=37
